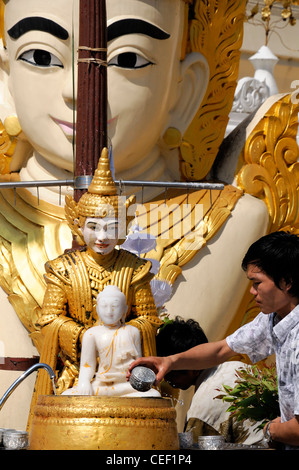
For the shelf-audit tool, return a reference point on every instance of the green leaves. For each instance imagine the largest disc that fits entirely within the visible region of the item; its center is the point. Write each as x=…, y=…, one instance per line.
x=255, y=395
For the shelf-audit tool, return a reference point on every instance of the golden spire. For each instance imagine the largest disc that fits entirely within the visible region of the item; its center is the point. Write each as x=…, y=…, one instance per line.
x=102, y=182
x=101, y=199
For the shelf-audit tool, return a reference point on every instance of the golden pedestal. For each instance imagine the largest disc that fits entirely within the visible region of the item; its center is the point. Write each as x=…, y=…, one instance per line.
x=103, y=423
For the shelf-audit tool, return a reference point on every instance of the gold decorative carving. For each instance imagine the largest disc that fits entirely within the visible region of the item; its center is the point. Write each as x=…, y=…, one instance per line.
x=269, y=164
x=7, y=148
x=12, y=126
x=219, y=41
x=268, y=169
x=184, y=240
x=172, y=137
x=32, y=232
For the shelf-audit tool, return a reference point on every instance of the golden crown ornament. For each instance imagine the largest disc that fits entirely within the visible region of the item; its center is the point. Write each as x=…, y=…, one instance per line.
x=100, y=200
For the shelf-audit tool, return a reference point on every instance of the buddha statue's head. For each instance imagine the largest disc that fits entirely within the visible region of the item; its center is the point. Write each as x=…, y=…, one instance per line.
x=172, y=70
x=111, y=305
x=100, y=218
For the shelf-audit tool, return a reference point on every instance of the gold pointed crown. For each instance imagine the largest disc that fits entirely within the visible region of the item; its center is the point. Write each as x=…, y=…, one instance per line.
x=102, y=182
x=101, y=199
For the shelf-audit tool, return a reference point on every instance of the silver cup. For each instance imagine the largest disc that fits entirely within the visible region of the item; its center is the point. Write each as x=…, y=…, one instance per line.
x=2, y=432
x=1, y=436
x=186, y=440
x=211, y=442
x=15, y=440
x=142, y=378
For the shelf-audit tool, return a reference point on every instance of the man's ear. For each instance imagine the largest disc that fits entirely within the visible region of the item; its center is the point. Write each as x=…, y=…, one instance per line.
x=192, y=88
x=285, y=285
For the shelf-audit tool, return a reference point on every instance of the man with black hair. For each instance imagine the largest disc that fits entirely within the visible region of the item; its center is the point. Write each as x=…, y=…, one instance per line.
x=272, y=264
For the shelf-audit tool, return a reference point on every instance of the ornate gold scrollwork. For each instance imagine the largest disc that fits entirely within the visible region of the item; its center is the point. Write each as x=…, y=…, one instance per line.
x=219, y=41
x=7, y=148
x=270, y=167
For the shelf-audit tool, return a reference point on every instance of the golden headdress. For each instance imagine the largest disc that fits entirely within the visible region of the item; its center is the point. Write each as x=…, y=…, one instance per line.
x=100, y=200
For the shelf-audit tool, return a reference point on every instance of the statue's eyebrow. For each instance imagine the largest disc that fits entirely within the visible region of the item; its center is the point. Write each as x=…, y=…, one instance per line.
x=135, y=26
x=37, y=23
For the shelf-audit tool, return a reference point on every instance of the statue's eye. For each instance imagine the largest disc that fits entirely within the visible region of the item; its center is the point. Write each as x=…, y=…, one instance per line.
x=40, y=58
x=129, y=60
x=91, y=226
x=112, y=229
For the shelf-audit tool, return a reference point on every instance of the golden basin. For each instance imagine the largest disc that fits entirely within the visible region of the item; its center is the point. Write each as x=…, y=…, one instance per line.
x=103, y=423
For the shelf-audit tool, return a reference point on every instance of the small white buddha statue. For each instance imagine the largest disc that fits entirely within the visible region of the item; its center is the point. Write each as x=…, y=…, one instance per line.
x=116, y=344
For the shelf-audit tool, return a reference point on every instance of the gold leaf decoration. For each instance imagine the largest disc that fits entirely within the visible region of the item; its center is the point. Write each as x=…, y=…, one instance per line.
x=7, y=148
x=270, y=168
x=286, y=12
x=219, y=41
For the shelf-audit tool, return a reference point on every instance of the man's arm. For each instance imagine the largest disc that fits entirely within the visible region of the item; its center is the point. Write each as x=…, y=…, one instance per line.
x=200, y=357
x=287, y=432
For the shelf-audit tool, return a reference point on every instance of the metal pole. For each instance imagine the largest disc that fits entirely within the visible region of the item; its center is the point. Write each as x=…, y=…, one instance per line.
x=84, y=183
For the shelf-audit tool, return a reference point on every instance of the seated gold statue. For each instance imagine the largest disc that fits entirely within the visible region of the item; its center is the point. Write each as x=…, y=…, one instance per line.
x=75, y=279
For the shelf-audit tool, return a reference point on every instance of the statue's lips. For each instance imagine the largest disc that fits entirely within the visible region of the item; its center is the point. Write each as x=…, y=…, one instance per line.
x=102, y=245
x=68, y=128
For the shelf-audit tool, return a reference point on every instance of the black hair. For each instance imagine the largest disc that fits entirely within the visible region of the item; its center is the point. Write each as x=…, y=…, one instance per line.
x=277, y=255
x=178, y=336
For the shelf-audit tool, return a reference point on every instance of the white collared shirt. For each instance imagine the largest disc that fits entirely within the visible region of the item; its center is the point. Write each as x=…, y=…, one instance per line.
x=266, y=335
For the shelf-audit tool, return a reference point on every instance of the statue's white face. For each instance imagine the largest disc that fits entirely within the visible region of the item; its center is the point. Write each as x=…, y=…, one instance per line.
x=100, y=234
x=111, y=306
x=144, y=74
x=41, y=74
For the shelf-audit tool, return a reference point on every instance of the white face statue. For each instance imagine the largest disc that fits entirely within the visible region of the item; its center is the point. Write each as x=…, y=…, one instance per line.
x=41, y=74
x=145, y=75
x=111, y=305
x=100, y=235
